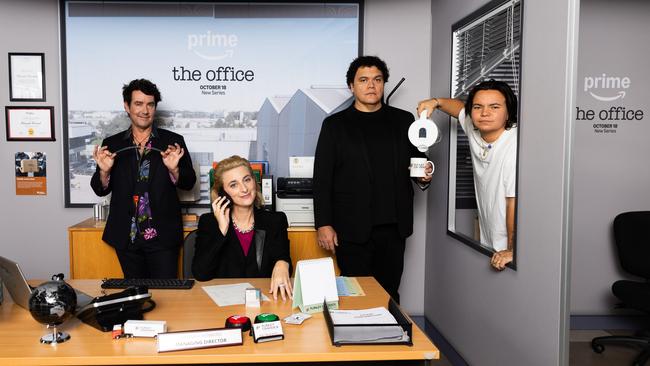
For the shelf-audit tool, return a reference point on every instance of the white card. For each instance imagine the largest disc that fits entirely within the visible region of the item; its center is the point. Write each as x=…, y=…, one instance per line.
x=253, y=297
x=297, y=318
x=313, y=284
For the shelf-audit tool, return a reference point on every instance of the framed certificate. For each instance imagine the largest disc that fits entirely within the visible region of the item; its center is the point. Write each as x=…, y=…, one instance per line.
x=30, y=123
x=26, y=77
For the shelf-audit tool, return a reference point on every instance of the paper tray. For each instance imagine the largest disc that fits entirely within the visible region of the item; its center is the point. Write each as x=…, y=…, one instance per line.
x=393, y=308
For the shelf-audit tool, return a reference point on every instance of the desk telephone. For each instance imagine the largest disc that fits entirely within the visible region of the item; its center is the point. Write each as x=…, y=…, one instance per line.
x=106, y=311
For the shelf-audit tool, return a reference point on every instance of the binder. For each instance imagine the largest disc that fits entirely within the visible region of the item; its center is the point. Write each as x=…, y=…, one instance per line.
x=402, y=321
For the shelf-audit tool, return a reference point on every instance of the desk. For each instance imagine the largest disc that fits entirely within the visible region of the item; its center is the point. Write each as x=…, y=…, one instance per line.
x=91, y=257
x=310, y=342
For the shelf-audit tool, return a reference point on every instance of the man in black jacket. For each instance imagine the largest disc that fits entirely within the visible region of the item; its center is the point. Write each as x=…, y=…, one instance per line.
x=142, y=167
x=363, y=195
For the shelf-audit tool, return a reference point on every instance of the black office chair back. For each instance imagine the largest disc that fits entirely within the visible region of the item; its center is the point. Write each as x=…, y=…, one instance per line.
x=632, y=236
x=188, y=254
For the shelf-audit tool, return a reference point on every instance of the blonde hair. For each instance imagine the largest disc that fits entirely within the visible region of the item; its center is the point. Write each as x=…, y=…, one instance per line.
x=230, y=163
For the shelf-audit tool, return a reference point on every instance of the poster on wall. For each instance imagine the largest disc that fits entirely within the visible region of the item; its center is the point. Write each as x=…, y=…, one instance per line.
x=250, y=79
x=31, y=174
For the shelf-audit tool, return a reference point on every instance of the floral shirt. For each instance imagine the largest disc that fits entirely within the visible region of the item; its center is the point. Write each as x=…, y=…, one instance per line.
x=142, y=223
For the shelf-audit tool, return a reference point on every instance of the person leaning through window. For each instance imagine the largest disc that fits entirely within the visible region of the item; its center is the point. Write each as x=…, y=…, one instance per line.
x=489, y=119
x=238, y=239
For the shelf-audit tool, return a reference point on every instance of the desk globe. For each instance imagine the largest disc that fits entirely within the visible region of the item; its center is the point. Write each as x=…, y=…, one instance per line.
x=52, y=303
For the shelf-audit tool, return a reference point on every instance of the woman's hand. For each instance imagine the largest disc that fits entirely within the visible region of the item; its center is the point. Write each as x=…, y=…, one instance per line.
x=221, y=210
x=280, y=281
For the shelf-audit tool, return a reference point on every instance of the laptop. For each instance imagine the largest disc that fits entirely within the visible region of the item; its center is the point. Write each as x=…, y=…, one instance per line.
x=20, y=290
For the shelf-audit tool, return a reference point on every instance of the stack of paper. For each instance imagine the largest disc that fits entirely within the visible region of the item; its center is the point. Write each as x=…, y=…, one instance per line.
x=348, y=286
x=368, y=326
x=232, y=294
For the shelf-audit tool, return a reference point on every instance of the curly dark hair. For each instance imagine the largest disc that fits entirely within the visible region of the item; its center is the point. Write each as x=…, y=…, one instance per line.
x=366, y=61
x=505, y=90
x=143, y=85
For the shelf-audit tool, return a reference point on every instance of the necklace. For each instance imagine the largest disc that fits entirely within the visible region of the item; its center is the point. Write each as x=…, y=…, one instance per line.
x=243, y=231
x=485, y=150
x=138, y=143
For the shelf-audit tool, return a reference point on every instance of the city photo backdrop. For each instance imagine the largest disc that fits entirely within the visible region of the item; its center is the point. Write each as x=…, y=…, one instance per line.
x=249, y=79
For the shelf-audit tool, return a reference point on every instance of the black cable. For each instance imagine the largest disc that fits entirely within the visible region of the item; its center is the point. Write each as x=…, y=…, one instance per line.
x=393, y=91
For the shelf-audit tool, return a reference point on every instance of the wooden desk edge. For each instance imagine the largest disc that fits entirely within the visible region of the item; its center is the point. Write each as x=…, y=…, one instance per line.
x=423, y=349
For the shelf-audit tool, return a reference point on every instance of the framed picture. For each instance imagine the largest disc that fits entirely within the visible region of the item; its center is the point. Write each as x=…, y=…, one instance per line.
x=216, y=91
x=30, y=123
x=26, y=77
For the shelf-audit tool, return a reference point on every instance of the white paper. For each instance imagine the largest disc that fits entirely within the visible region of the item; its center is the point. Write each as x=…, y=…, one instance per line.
x=378, y=315
x=233, y=294
x=301, y=166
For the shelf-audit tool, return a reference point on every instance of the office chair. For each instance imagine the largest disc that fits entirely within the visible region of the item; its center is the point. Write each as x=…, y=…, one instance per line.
x=632, y=237
x=188, y=254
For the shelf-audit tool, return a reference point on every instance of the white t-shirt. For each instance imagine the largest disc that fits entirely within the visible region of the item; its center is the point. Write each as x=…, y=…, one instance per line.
x=495, y=166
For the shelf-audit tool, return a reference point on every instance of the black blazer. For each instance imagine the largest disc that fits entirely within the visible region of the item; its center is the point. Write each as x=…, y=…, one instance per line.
x=342, y=175
x=165, y=206
x=218, y=256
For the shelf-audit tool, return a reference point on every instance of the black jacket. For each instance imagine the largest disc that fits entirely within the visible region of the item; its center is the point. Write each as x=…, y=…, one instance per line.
x=342, y=175
x=165, y=206
x=219, y=256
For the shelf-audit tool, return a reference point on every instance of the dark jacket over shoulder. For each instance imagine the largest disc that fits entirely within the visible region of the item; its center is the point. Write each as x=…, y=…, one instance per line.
x=219, y=256
x=342, y=175
x=165, y=206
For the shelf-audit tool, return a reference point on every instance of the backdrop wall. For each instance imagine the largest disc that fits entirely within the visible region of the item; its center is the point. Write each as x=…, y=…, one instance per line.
x=611, y=171
x=35, y=227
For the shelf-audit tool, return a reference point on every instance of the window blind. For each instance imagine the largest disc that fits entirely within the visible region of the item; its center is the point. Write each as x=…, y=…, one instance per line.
x=486, y=47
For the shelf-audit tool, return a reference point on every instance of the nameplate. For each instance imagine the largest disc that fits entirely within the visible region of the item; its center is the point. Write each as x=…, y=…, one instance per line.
x=177, y=341
x=266, y=332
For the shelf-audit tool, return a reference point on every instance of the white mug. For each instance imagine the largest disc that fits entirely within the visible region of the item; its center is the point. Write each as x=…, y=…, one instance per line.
x=418, y=165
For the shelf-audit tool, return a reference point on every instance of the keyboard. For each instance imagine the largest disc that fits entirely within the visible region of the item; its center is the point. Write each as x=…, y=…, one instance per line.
x=152, y=283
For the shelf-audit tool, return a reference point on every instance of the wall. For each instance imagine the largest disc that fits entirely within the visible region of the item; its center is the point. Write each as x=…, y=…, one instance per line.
x=35, y=227
x=611, y=164
x=399, y=32
x=482, y=312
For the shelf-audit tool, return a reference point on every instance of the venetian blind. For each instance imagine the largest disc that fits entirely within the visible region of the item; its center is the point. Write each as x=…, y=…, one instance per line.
x=487, y=47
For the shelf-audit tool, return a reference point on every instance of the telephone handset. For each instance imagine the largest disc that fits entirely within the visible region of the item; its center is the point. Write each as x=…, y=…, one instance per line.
x=222, y=193
x=106, y=311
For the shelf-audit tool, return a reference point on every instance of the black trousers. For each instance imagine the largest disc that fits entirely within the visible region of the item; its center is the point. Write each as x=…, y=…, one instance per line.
x=382, y=257
x=147, y=261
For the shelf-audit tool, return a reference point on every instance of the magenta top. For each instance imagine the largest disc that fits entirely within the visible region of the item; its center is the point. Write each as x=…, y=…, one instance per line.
x=245, y=240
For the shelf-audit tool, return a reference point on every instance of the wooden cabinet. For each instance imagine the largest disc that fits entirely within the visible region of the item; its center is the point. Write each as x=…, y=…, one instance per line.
x=90, y=257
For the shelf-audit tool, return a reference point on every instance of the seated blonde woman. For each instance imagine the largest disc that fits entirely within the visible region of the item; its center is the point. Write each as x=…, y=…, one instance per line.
x=238, y=239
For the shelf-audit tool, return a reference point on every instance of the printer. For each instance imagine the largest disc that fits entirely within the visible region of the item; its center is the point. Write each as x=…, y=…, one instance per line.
x=294, y=197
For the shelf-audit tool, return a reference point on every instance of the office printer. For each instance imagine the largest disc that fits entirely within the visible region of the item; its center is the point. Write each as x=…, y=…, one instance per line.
x=294, y=197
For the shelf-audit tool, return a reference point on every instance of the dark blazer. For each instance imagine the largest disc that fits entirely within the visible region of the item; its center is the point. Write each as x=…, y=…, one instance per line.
x=165, y=206
x=342, y=175
x=219, y=256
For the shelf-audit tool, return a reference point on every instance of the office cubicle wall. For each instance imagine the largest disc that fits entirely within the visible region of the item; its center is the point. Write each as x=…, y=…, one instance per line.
x=511, y=317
